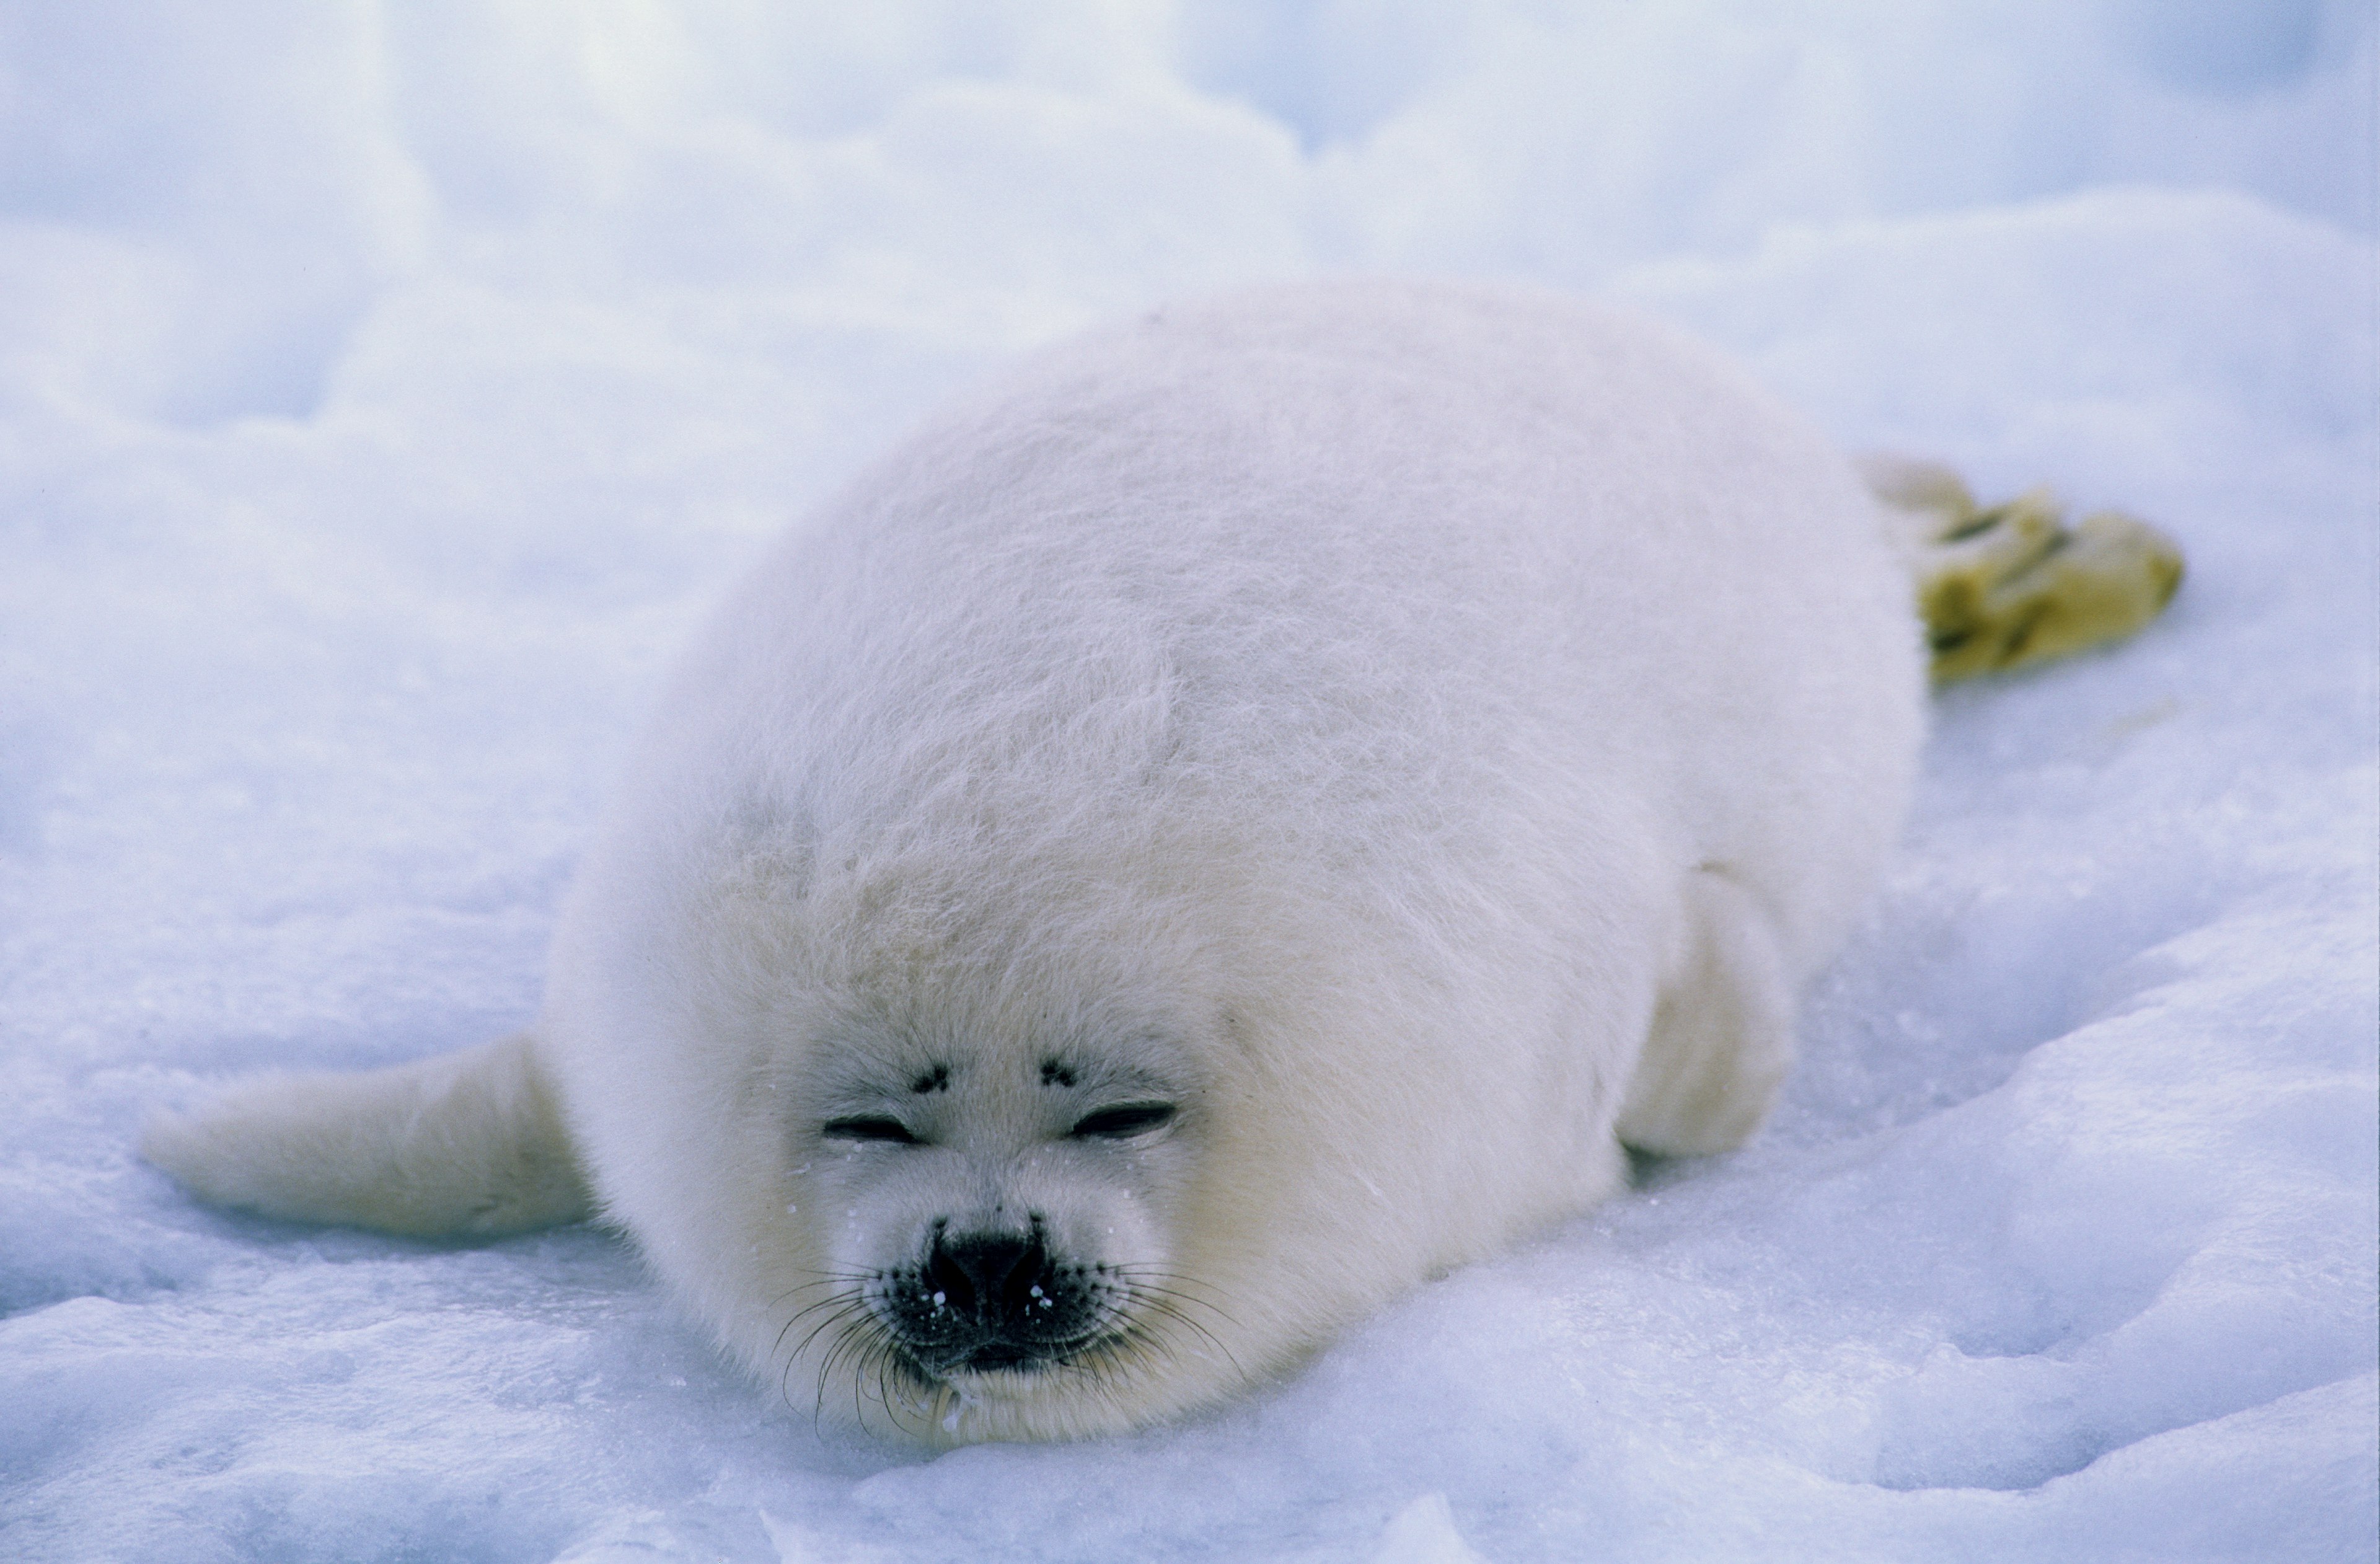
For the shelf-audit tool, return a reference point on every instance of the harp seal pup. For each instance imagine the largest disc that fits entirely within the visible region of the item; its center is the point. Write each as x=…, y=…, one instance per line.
x=1246, y=815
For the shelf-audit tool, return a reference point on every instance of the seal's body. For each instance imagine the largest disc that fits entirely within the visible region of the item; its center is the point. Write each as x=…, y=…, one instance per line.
x=1247, y=815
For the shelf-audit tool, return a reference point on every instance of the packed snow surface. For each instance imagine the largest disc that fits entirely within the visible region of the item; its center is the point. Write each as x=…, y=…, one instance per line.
x=386, y=390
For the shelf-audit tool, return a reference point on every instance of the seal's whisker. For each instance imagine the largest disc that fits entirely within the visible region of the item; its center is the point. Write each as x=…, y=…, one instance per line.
x=836, y=1301
x=1143, y=1290
x=1165, y=1309
x=848, y=1343
x=823, y=1279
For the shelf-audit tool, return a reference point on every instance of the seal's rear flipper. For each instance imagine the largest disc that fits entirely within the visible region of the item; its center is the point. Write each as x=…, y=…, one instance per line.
x=2013, y=585
x=463, y=1144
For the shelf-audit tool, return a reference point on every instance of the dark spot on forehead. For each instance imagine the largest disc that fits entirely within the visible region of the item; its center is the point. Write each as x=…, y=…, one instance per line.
x=1057, y=1073
x=938, y=1079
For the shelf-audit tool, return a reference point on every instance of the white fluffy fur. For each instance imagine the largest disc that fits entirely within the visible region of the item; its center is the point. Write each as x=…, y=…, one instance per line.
x=1430, y=732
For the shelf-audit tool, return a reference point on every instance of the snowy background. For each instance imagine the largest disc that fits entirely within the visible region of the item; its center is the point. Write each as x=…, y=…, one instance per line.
x=386, y=388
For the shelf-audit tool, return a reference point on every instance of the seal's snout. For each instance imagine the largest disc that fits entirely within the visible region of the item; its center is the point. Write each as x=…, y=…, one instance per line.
x=985, y=1301
x=992, y=1276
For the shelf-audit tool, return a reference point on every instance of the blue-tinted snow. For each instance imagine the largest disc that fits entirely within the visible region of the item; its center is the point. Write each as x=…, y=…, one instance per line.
x=383, y=391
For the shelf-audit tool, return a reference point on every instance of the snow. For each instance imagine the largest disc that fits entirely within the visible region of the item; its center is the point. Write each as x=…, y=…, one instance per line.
x=386, y=390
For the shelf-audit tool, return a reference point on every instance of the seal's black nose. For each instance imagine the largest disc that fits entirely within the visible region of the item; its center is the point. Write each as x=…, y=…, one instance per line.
x=987, y=1276
x=988, y=1300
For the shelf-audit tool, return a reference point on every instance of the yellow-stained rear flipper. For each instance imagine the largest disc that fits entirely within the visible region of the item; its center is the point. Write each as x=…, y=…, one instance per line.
x=2013, y=585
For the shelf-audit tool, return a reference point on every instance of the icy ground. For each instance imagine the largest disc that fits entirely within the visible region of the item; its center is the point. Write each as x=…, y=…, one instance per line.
x=384, y=389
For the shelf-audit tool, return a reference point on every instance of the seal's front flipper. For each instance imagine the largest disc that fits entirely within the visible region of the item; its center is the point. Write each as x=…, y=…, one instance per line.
x=1723, y=1034
x=2013, y=585
x=468, y=1144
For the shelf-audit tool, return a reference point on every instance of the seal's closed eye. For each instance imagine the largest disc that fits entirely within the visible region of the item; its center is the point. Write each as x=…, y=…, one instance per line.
x=870, y=1126
x=1122, y=1122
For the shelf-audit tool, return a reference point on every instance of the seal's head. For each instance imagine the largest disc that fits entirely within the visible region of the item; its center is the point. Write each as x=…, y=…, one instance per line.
x=1004, y=1211
x=953, y=1162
